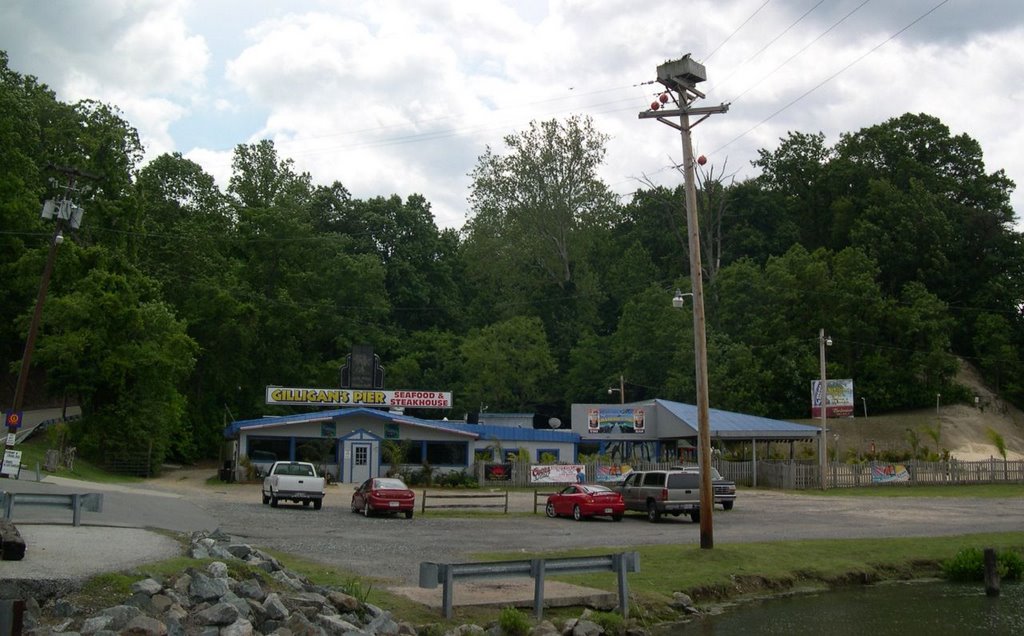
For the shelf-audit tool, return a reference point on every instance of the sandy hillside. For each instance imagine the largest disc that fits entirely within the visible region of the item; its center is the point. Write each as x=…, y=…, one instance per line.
x=964, y=428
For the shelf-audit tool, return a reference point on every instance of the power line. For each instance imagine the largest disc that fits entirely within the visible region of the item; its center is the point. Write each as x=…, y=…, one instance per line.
x=798, y=53
x=765, y=47
x=749, y=18
x=830, y=77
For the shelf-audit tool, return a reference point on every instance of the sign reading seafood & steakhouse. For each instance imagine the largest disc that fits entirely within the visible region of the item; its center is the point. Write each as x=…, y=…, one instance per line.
x=358, y=397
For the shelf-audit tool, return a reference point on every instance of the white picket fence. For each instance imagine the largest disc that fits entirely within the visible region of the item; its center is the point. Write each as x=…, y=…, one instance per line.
x=805, y=475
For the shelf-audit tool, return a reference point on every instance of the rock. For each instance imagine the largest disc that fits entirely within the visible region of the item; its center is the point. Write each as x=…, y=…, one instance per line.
x=208, y=602
x=144, y=626
x=219, y=614
x=206, y=588
x=147, y=586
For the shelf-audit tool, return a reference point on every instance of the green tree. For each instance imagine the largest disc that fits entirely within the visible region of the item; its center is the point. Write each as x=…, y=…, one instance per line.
x=508, y=365
x=525, y=234
x=112, y=342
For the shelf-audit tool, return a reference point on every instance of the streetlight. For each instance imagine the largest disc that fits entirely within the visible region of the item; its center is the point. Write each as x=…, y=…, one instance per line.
x=823, y=341
x=621, y=390
x=679, y=299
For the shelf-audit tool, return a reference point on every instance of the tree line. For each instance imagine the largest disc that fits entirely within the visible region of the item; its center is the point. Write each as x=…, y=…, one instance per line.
x=175, y=303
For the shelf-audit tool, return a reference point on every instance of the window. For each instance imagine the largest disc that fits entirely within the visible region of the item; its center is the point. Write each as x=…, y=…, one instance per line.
x=437, y=453
x=654, y=479
x=269, y=449
x=316, y=450
x=361, y=455
x=547, y=455
x=447, y=453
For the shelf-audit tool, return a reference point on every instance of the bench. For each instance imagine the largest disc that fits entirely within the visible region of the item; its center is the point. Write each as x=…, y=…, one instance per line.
x=432, y=574
x=90, y=502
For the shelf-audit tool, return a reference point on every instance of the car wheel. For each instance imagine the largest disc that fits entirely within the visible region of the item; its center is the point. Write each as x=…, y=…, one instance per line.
x=616, y=517
x=305, y=502
x=273, y=501
x=318, y=504
x=727, y=505
x=408, y=514
x=577, y=514
x=266, y=499
x=695, y=517
x=366, y=509
x=549, y=510
x=652, y=512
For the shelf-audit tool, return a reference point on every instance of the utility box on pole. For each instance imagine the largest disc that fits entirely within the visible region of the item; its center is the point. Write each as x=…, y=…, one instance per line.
x=681, y=73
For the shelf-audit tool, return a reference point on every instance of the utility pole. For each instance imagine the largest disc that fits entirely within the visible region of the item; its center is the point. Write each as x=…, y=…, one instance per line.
x=823, y=341
x=680, y=78
x=66, y=212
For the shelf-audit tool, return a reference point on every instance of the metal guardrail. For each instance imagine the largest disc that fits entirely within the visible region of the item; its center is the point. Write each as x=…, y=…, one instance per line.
x=435, y=495
x=433, y=574
x=90, y=502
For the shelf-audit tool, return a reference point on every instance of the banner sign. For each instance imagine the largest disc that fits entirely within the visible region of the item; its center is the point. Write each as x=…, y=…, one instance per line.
x=889, y=473
x=12, y=463
x=554, y=474
x=347, y=397
x=615, y=420
x=839, y=398
x=498, y=472
x=615, y=472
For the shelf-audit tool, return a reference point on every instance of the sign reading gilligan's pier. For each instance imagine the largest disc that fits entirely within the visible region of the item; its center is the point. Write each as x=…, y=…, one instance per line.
x=358, y=397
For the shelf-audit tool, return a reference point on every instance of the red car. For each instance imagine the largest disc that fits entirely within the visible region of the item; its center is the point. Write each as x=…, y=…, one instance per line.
x=586, y=500
x=386, y=495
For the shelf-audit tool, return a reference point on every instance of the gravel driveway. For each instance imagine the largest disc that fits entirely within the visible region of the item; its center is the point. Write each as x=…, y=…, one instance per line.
x=393, y=547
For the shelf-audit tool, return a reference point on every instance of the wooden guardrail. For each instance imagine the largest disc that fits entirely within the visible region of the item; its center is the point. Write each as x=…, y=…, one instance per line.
x=433, y=574
x=443, y=496
x=91, y=502
x=536, y=499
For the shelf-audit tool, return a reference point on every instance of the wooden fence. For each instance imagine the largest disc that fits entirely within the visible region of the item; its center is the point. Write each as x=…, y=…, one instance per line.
x=806, y=474
x=444, y=503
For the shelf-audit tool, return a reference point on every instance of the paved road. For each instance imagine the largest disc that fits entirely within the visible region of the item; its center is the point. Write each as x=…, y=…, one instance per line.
x=393, y=547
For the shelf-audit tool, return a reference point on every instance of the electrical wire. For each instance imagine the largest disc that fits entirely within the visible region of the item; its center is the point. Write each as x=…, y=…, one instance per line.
x=830, y=77
x=735, y=31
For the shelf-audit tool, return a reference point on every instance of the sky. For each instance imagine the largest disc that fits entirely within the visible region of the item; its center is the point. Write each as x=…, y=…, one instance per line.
x=403, y=97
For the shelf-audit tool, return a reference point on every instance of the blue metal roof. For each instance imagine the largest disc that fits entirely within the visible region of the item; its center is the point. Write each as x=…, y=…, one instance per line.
x=516, y=434
x=482, y=431
x=739, y=425
x=328, y=416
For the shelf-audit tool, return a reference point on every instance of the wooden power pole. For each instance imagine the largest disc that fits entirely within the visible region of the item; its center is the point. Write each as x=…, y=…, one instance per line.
x=680, y=77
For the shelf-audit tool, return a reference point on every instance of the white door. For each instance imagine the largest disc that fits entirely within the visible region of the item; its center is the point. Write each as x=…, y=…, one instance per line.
x=362, y=456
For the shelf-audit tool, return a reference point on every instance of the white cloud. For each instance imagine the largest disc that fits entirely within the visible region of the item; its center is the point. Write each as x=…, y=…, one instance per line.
x=394, y=97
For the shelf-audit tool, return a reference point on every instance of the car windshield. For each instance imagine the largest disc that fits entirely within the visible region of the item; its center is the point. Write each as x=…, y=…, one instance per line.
x=389, y=484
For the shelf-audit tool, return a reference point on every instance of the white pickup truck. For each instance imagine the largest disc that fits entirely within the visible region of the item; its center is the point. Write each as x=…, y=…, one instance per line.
x=293, y=481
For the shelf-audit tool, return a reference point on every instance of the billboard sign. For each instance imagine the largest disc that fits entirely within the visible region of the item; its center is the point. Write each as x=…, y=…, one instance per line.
x=346, y=397
x=838, y=398
x=616, y=420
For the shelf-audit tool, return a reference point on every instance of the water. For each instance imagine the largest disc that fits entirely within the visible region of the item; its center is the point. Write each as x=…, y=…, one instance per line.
x=934, y=609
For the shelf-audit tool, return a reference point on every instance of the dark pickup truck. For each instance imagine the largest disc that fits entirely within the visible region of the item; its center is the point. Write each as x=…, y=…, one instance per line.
x=725, y=489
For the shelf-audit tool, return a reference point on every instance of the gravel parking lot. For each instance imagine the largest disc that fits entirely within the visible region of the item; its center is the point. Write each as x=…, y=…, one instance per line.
x=393, y=547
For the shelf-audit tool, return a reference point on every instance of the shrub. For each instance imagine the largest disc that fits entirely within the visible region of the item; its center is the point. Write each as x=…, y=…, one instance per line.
x=611, y=622
x=513, y=622
x=969, y=565
x=457, y=480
